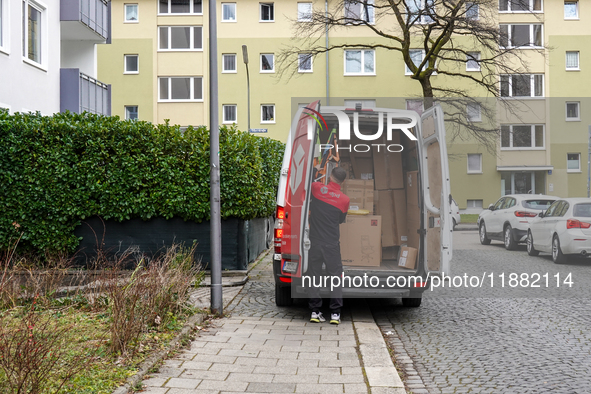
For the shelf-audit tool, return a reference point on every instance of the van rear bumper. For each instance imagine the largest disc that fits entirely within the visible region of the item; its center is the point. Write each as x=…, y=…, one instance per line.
x=349, y=292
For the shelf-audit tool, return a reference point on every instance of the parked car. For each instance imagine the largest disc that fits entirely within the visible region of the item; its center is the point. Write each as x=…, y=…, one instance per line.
x=455, y=213
x=508, y=219
x=563, y=229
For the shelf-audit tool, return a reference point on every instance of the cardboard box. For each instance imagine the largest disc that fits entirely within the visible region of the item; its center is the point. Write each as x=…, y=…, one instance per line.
x=391, y=206
x=413, y=213
x=362, y=167
x=360, y=193
x=346, y=165
x=408, y=257
x=387, y=166
x=360, y=240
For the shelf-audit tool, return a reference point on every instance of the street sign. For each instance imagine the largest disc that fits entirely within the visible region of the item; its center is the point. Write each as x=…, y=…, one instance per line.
x=259, y=130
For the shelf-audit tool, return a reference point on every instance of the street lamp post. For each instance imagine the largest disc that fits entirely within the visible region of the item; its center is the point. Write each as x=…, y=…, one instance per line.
x=215, y=222
x=245, y=59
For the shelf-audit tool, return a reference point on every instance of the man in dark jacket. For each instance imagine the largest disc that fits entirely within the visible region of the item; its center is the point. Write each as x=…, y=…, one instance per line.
x=328, y=208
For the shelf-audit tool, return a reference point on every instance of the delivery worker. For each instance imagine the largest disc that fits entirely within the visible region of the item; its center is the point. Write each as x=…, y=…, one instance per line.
x=328, y=208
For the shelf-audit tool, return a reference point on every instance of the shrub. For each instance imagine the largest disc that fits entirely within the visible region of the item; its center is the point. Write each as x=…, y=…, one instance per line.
x=59, y=170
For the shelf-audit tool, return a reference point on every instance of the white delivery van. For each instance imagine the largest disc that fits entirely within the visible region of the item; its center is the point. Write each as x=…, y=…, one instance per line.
x=398, y=231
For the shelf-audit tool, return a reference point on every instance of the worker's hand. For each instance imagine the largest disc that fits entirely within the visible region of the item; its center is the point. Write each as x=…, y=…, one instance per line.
x=317, y=166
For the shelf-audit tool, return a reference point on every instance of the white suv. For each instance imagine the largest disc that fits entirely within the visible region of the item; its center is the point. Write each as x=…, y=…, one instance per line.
x=508, y=219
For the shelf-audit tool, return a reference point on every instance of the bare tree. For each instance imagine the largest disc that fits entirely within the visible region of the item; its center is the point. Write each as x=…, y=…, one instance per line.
x=435, y=38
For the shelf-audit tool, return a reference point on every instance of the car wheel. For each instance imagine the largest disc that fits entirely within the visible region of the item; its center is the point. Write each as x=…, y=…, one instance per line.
x=483, y=238
x=411, y=302
x=283, y=295
x=510, y=243
x=530, y=245
x=557, y=255
x=455, y=224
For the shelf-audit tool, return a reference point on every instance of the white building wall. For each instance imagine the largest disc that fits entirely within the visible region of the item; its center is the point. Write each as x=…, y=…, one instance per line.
x=24, y=86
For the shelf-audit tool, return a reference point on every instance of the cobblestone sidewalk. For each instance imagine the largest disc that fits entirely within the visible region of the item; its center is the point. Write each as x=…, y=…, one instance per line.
x=262, y=348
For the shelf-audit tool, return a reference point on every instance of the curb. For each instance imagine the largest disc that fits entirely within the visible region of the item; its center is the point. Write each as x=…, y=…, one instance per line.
x=381, y=373
x=149, y=363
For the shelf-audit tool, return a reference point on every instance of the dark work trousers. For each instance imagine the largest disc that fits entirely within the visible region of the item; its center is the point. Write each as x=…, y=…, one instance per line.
x=330, y=255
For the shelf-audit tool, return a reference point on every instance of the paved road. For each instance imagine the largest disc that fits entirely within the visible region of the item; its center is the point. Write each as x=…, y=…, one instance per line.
x=496, y=340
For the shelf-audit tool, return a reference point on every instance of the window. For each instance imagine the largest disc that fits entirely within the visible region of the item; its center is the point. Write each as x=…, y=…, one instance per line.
x=268, y=113
x=415, y=105
x=473, y=203
x=571, y=10
x=228, y=12
x=180, y=38
x=417, y=56
x=572, y=111
x=304, y=12
x=522, y=136
x=474, y=163
x=267, y=12
x=421, y=10
x=267, y=63
x=520, y=5
x=305, y=62
x=4, y=25
x=131, y=112
x=573, y=162
x=359, y=11
x=32, y=25
x=472, y=10
x=132, y=65
x=229, y=113
x=522, y=85
x=229, y=63
x=473, y=61
x=180, y=88
x=572, y=60
x=360, y=62
x=131, y=13
x=513, y=36
x=180, y=7
x=473, y=113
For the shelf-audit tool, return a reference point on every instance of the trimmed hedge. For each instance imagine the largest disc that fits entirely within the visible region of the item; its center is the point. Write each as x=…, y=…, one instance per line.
x=56, y=171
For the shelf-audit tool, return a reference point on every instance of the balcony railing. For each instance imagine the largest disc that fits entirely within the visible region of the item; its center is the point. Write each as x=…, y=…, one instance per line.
x=80, y=92
x=92, y=13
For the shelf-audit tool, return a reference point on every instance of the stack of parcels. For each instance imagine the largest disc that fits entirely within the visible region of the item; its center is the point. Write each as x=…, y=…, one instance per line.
x=390, y=199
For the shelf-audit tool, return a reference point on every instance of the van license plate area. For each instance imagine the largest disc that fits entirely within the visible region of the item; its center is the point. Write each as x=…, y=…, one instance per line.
x=290, y=266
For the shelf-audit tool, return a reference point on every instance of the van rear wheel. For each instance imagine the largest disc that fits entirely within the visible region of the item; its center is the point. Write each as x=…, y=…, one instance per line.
x=283, y=295
x=412, y=302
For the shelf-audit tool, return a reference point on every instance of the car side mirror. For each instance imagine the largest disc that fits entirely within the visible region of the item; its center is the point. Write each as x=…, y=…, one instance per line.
x=491, y=207
x=541, y=214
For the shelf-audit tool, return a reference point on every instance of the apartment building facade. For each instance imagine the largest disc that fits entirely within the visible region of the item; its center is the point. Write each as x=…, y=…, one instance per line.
x=157, y=64
x=48, y=59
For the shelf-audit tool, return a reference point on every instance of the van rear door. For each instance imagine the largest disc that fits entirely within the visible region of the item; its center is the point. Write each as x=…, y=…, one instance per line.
x=437, y=251
x=295, y=243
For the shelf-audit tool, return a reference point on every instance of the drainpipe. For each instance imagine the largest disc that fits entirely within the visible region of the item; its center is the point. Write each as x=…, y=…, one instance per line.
x=326, y=34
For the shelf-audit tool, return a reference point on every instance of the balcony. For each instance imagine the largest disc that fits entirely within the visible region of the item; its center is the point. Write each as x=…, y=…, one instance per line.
x=84, y=20
x=80, y=92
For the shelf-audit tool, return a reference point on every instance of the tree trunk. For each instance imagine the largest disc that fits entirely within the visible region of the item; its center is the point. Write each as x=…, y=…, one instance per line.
x=427, y=92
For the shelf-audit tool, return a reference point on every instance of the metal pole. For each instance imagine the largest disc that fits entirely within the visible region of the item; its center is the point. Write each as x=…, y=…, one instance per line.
x=245, y=59
x=589, y=164
x=217, y=304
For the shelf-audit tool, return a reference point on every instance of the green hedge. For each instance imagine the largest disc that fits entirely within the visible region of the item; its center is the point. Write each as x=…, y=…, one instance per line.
x=56, y=171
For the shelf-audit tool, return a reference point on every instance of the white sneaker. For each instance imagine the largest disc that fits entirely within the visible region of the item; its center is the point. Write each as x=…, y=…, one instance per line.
x=317, y=317
x=335, y=318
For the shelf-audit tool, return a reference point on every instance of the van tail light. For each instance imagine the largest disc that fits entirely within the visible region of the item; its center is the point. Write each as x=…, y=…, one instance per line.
x=523, y=214
x=574, y=223
x=279, y=228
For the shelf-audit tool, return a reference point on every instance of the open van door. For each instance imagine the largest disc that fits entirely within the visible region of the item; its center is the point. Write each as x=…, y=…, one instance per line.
x=438, y=223
x=295, y=243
